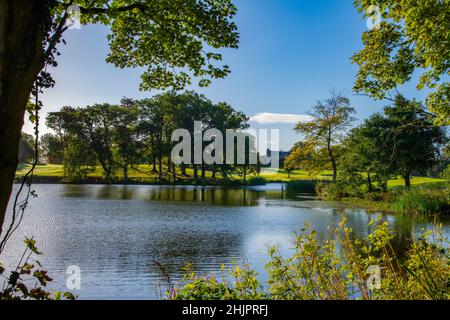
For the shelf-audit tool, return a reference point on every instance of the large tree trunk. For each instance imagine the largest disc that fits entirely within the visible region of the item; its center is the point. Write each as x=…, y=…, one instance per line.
x=22, y=30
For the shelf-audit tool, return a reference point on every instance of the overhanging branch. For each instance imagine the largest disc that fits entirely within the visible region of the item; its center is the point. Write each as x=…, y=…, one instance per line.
x=130, y=7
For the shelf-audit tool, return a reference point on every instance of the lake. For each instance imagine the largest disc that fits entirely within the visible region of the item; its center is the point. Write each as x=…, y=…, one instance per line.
x=115, y=233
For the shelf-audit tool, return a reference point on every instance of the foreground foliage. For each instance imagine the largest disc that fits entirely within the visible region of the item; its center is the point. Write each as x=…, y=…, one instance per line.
x=345, y=268
x=412, y=37
x=427, y=199
x=28, y=281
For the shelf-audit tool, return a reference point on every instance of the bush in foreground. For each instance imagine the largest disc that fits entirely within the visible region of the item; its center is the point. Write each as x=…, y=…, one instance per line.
x=320, y=271
x=28, y=281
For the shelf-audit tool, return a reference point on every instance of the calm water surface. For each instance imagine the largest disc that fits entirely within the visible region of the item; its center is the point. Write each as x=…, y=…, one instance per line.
x=116, y=233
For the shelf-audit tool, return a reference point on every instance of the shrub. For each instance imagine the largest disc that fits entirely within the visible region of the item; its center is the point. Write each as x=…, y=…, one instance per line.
x=301, y=186
x=330, y=190
x=422, y=200
x=15, y=286
x=256, y=181
x=446, y=173
x=319, y=270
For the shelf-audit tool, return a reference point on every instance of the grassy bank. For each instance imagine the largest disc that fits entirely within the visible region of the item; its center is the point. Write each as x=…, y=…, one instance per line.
x=143, y=174
x=425, y=199
x=428, y=196
x=53, y=173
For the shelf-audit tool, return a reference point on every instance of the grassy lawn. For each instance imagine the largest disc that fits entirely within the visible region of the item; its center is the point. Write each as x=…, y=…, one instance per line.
x=271, y=175
x=414, y=181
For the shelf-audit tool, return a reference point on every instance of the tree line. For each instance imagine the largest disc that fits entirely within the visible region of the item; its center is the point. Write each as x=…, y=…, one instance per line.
x=134, y=132
x=400, y=141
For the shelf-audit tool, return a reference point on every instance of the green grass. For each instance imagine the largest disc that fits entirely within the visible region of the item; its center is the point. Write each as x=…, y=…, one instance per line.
x=270, y=175
x=414, y=181
x=281, y=175
x=49, y=170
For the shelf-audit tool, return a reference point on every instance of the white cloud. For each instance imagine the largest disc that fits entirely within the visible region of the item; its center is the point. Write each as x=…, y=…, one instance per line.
x=266, y=118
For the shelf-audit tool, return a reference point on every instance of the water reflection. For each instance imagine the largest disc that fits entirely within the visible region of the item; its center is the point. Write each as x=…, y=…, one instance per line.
x=220, y=196
x=116, y=233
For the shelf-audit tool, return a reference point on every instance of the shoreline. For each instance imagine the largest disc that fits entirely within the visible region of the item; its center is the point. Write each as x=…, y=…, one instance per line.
x=144, y=182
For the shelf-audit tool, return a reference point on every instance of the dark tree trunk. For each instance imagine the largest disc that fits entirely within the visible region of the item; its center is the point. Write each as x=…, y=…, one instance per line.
x=407, y=179
x=334, y=165
x=154, y=170
x=183, y=169
x=331, y=155
x=154, y=165
x=106, y=168
x=203, y=173
x=125, y=173
x=214, y=170
x=174, y=172
x=22, y=30
x=160, y=168
x=369, y=182
x=195, y=172
x=224, y=172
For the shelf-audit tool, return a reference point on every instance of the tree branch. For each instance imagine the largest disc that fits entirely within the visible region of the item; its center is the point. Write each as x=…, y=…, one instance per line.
x=130, y=7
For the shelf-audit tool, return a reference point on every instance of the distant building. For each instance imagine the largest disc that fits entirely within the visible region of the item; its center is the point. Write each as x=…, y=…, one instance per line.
x=282, y=154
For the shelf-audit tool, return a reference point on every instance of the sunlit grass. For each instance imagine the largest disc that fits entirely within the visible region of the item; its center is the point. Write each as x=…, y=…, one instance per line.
x=271, y=175
x=414, y=181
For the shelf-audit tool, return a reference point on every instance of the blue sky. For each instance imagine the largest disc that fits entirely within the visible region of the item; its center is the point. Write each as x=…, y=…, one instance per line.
x=292, y=53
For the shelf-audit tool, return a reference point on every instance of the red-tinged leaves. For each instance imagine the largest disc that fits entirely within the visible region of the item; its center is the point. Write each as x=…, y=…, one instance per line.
x=42, y=277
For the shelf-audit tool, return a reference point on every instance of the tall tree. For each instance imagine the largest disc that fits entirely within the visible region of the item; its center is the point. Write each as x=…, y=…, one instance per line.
x=399, y=142
x=224, y=117
x=295, y=158
x=26, y=148
x=413, y=142
x=93, y=127
x=366, y=160
x=412, y=36
x=325, y=132
x=52, y=148
x=168, y=37
x=125, y=135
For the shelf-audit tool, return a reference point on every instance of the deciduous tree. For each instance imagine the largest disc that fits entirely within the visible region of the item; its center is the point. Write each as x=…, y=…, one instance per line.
x=173, y=40
x=325, y=132
x=413, y=36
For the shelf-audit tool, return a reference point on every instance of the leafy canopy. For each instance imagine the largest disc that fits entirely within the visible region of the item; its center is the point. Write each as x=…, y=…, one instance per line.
x=401, y=141
x=324, y=134
x=174, y=40
x=413, y=36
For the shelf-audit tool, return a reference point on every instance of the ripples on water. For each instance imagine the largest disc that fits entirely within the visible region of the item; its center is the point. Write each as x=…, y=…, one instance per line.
x=116, y=233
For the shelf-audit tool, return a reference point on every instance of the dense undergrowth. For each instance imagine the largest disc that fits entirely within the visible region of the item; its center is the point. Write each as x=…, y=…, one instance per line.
x=340, y=269
x=426, y=199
